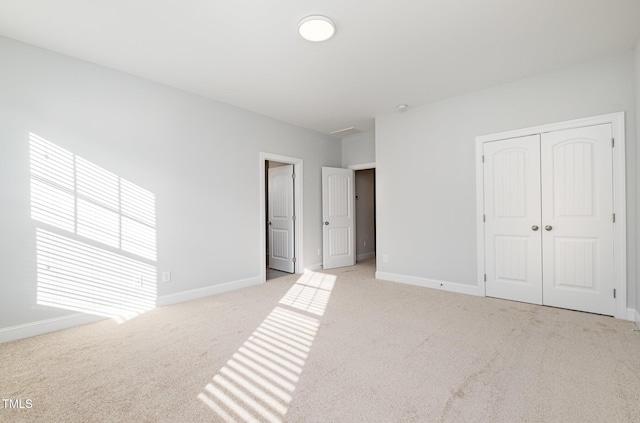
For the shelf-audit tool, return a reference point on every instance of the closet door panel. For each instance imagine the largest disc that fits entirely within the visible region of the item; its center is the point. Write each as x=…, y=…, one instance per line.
x=577, y=219
x=512, y=219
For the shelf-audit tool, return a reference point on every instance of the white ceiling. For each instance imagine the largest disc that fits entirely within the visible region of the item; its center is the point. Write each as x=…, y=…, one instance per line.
x=247, y=53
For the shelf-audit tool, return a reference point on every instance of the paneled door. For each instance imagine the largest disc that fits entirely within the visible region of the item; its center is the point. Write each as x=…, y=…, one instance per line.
x=338, y=218
x=512, y=219
x=577, y=218
x=281, y=218
x=548, y=202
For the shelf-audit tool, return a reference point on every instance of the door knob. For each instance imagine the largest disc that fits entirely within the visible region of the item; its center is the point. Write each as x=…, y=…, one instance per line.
x=326, y=223
x=548, y=228
x=534, y=227
x=269, y=223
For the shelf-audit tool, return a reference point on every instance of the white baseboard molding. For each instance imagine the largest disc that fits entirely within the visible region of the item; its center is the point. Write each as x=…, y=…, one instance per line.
x=194, y=294
x=632, y=314
x=41, y=327
x=365, y=256
x=314, y=267
x=431, y=283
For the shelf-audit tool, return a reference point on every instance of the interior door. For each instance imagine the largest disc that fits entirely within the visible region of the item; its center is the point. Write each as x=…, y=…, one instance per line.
x=281, y=218
x=338, y=218
x=512, y=219
x=577, y=200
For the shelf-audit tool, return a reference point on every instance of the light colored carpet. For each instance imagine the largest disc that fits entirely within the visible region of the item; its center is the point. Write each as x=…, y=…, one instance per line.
x=336, y=346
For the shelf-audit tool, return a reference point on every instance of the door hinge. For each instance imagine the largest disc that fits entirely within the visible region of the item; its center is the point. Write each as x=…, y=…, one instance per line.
x=483, y=158
x=485, y=277
x=614, y=293
x=293, y=217
x=614, y=218
x=484, y=217
x=613, y=142
x=293, y=176
x=293, y=260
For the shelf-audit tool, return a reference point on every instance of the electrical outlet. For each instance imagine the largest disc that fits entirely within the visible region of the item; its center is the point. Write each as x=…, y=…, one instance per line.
x=364, y=243
x=319, y=251
x=385, y=258
x=140, y=280
x=166, y=276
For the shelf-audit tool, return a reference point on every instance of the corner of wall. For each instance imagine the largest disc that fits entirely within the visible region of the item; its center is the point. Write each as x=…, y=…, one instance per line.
x=358, y=149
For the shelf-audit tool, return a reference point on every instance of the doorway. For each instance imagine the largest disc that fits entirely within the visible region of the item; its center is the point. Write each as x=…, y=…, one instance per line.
x=280, y=219
x=348, y=215
x=365, y=181
x=281, y=216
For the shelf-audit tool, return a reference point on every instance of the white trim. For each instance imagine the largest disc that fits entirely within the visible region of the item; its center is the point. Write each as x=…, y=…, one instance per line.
x=617, y=117
x=207, y=291
x=298, y=192
x=480, y=217
x=633, y=316
x=365, y=256
x=41, y=327
x=620, y=209
x=363, y=166
x=619, y=195
x=458, y=288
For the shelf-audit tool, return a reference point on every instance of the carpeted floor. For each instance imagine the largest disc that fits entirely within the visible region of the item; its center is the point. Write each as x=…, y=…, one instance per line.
x=335, y=346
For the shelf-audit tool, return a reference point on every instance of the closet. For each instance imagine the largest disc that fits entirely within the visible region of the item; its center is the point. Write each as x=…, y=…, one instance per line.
x=548, y=218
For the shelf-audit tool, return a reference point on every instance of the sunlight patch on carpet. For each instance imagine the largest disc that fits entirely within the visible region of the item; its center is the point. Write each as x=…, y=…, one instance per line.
x=257, y=383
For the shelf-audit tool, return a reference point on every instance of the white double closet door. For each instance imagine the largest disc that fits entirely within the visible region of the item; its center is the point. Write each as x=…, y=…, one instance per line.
x=548, y=201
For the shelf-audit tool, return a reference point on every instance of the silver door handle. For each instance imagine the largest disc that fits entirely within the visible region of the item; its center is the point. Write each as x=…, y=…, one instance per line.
x=548, y=228
x=326, y=223
x=535, y=228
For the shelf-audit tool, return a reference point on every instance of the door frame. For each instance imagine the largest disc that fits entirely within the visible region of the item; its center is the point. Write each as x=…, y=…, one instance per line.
x=297, y=207
x=619, y=197
x=367, y=166
x=363, y=166
x=285, y=173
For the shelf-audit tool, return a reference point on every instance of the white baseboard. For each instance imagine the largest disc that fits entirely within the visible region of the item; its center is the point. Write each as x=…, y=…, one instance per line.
x=632, y=315
x=40, y=327
x=431, y=283
x=194, y=294
x=365, y=256
x=314, y=267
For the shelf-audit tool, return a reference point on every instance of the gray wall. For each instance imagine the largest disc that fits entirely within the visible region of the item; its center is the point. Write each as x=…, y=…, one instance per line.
x=425, y=159
x=359, y=149
x=199, y=157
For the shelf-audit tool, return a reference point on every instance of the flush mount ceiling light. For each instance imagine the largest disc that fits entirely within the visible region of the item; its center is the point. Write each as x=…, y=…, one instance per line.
x=316, y=28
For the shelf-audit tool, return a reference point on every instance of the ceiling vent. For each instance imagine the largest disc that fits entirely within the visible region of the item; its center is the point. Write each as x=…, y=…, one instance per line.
x=341, y=133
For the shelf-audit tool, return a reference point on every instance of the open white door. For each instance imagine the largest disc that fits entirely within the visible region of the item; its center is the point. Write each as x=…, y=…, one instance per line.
x=281, y=218
x=338, y=215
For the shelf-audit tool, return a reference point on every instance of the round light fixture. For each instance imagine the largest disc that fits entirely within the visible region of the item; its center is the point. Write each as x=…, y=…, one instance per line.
x=316, y=28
